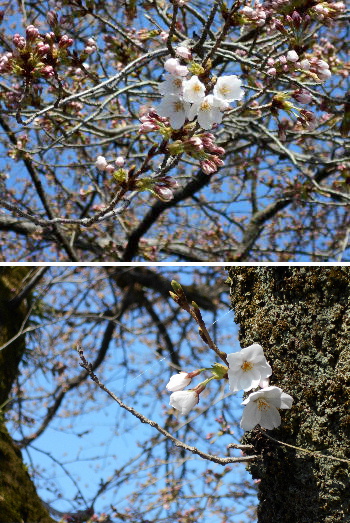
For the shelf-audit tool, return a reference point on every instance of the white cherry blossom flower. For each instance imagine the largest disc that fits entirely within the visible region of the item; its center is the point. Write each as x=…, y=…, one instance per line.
x=174, y=108
x=228, y=88
x=207, y=112
x=247, y=368
x=261, y=408
x=184, y=400
x=178, y=382
x=171, y=85
x=193, y=90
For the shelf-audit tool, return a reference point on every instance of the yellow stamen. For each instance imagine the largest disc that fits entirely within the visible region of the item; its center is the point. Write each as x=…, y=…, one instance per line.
x=205, y=106
x=262, y=404
x=246, y=365
x=224, y=89
x=178, y=106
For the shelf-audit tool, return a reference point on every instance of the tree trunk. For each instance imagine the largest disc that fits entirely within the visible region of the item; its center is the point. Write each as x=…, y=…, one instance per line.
x=300, y=315
x=19, y=501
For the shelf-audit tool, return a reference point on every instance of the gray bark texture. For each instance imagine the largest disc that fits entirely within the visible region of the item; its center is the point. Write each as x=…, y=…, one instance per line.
x=300, y=316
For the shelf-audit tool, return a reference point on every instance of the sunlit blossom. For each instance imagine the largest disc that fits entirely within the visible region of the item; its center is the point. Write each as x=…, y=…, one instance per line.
x=178, y=382
x=171, y=85
x=228, y=88
x=247, y=368
x=261, y=408
x=207, y=112
x=175, y=108
x=184, y=400
x=193, y=90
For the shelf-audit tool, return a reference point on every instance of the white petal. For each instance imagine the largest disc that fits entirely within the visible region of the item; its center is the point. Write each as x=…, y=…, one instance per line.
x=253, y=352
x=251, y=416
x=235, y=359
x=286, y=401
x=270, y=418
x=204, y=120
x=193, y=111
x=177, y=119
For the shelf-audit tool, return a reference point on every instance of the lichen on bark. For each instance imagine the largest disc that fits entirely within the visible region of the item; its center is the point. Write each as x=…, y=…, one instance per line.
x=300, y=315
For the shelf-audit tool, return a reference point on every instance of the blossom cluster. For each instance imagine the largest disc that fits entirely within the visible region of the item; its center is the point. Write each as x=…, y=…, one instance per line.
x=187, y=98
x=162, y=187
x=35, y=55
x=248, y=369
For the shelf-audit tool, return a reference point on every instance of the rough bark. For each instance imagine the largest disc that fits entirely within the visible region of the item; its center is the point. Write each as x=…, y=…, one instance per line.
x=300, y=315
x=19, y=501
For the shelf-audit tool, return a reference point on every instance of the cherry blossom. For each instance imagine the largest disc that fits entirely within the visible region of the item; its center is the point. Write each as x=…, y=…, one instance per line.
x=175, y=108
x=207, y=112
x=184, y=400
x=178, y=382
x=261, y=408
x=228, y=88
x=193, y=90
x=171, y=85
x=247, y=368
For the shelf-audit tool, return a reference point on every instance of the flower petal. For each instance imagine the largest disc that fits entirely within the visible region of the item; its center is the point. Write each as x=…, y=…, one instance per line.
x=251, y=416
x=270, y=418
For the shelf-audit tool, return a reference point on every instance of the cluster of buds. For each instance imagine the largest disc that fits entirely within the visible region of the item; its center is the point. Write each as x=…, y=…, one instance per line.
x=153, y=122
x=325, y=10
x=297, y=22
x=255, y=15
x=164, y=188
x=91, y=46
x=291, y=63
x=202, y=147
x=102, y=164
x=319, y=67
x=306, y=120
x=35, y=55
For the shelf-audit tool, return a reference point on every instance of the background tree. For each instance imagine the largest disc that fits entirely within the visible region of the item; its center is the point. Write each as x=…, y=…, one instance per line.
x=76, y=79
x=300, y=315
x=86, y=455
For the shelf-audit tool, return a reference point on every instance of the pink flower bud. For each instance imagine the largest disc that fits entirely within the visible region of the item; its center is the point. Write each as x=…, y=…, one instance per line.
x=324, y=74
x=272, y=71
x=32, y=32
x=110, y=168
x=42, y=48
x=184, y=52
x=164, y=193
x=65, y=42
x=282, y=59
x=120, y=161
x=305, y=64
x=302, y=96
x=19, y=41
x=51, y=17
x=48, y=71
